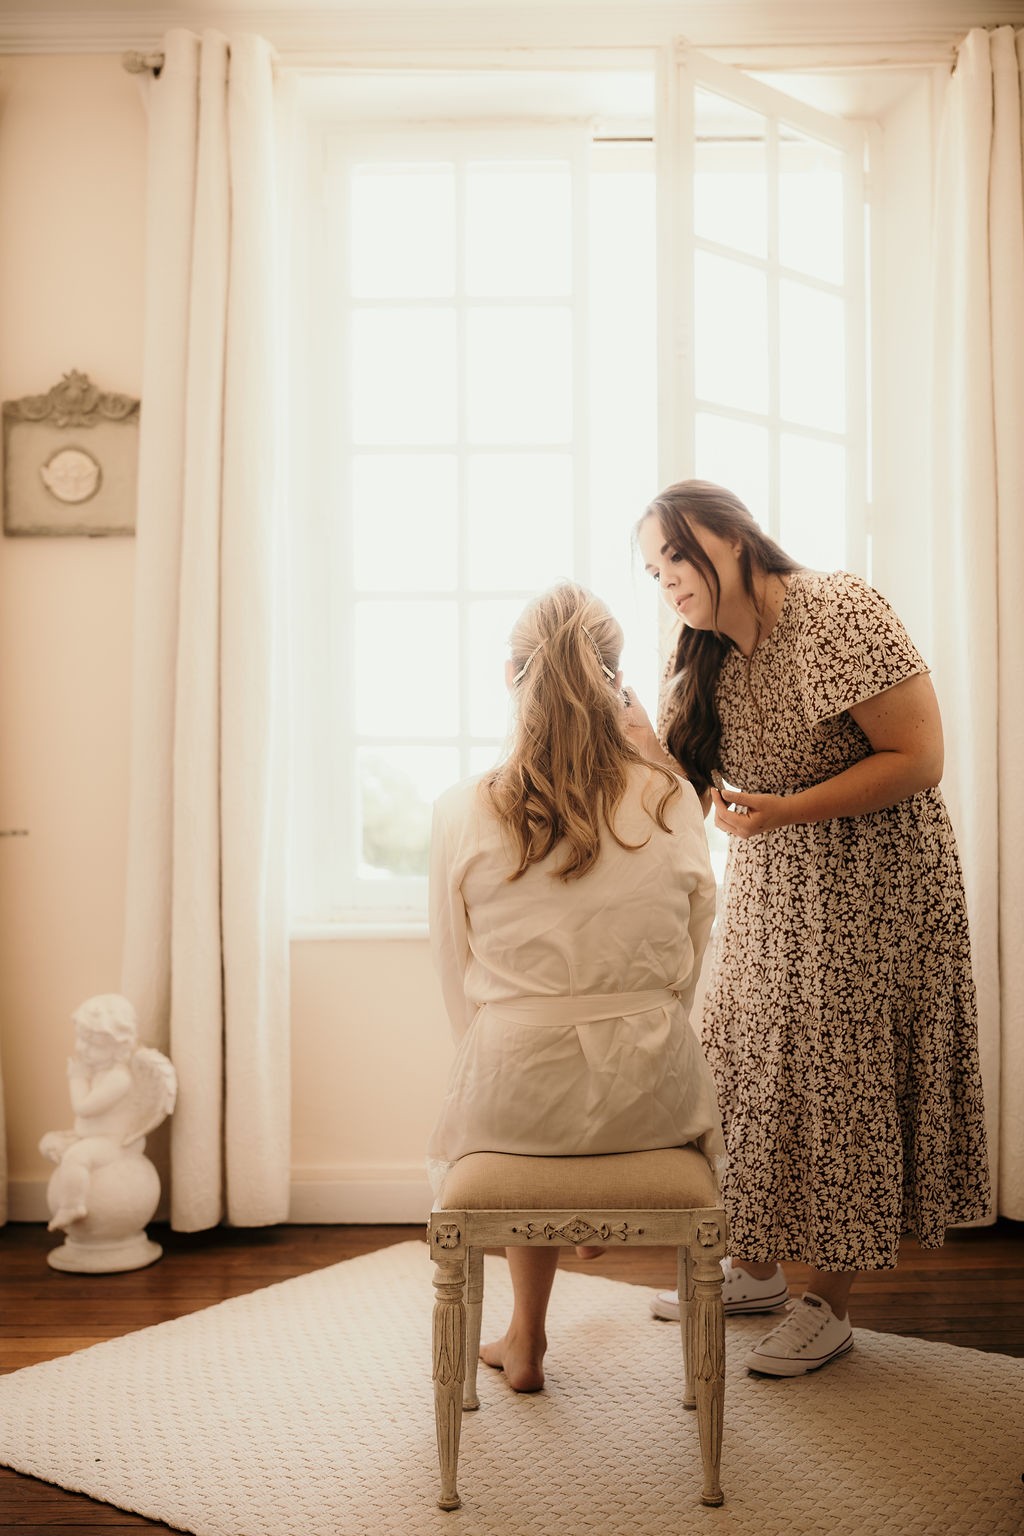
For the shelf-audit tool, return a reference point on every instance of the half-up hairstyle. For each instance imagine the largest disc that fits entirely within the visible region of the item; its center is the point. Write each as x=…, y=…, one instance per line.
x=567, y=768
x=693, y=732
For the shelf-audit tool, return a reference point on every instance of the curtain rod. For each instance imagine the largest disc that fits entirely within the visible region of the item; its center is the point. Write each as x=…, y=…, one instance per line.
x=142, y=63
x=315, y=60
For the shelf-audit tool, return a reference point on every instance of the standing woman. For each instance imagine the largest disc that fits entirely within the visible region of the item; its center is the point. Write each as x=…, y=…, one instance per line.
x=840, y=1018
x=567, y=986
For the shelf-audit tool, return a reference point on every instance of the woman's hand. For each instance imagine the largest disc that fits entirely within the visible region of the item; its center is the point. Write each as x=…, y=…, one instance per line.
x=747, y=815
x=640, y=733
x=904, y=732
x=636, y=723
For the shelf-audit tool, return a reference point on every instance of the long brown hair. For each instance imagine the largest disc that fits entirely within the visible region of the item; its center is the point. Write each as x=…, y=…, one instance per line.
x=568, y=763
x=694, y=730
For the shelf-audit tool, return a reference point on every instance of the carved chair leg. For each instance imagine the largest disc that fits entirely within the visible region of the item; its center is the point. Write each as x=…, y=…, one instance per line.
x=707, y=1344
x=684, y=1287
x=449, y=1365
x=474, y=1317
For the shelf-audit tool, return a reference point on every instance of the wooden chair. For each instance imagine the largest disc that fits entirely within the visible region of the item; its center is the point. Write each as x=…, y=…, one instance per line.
x=491, y=1200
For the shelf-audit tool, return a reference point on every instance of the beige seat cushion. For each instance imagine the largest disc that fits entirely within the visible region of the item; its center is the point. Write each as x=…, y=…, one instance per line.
x=675, y=1178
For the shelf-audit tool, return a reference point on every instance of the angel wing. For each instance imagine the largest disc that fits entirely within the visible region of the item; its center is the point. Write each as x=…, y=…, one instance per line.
x=154, y=1090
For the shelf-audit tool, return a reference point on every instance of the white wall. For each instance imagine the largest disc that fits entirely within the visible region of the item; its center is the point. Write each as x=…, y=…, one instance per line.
x=72, y=145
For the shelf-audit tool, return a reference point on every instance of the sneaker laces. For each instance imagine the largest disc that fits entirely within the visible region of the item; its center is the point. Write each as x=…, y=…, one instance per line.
x=800, y=1328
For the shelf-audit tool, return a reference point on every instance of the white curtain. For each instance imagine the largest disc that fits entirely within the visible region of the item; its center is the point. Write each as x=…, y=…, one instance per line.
x=978, y=372
x=205, y=949
x=3, y=1154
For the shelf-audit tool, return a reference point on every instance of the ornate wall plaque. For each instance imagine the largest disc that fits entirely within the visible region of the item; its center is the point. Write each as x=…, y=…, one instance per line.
x=70, y=460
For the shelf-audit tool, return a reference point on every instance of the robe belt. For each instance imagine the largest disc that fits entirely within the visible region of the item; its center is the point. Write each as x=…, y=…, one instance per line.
x=588, y=1008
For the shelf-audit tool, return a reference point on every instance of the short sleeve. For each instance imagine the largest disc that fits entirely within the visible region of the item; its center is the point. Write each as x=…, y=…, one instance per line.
x=855, y=647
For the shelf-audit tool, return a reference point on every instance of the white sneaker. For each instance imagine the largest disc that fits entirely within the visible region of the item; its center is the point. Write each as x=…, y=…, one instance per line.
x=804, y=1341
x=740, y=1293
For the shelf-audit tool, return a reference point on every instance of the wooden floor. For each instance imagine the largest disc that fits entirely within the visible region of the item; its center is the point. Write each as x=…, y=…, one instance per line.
x=969, y=1293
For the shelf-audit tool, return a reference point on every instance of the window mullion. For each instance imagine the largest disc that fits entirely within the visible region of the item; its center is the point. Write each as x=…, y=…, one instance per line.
x=462, y=471
x=774, y=327
x=674, y=149
x=858, y=459
x=580, y=302
x=334, y=568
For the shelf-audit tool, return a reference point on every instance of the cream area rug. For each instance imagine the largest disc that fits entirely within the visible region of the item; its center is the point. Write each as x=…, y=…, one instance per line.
x=305, y=1409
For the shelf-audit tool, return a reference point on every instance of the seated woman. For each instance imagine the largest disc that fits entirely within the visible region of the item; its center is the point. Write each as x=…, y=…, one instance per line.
x=571, y=897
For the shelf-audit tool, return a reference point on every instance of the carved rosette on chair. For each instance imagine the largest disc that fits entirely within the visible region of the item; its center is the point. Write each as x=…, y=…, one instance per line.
x=104, y=1189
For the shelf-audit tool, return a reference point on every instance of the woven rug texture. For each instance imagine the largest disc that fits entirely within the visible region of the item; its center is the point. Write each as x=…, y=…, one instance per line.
x=305, y=1409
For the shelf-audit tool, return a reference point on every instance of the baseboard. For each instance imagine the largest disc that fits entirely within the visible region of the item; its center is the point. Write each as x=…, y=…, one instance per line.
x=368, y=1196
x=353, y=1196
x=26, y=1200
x=361, y=1197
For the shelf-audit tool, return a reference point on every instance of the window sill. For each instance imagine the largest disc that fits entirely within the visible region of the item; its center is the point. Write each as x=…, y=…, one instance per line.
x=343, y=929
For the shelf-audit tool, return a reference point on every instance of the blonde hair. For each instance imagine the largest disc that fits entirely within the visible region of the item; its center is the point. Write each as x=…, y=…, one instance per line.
x=567, y=768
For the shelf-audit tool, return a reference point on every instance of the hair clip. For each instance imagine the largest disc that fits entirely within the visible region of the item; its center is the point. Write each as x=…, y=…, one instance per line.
x=605, y=668
x=525, y=666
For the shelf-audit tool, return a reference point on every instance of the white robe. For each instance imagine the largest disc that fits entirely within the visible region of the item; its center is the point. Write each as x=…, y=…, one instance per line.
x=569, y=1001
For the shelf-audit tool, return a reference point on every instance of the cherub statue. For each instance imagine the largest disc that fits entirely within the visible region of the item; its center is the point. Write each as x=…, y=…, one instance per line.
x=104, y=1188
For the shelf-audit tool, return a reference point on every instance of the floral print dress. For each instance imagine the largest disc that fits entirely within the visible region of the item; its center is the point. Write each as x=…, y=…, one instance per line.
x=840, y=1018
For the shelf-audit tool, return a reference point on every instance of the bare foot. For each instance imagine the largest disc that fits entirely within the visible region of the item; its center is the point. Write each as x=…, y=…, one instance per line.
x=523, y=1366
x=583, y=1252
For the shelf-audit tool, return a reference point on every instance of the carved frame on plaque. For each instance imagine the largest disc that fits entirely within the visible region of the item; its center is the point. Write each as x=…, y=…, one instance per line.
x=70, y=460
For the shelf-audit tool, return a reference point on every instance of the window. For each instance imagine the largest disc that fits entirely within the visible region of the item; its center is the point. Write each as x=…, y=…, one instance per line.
x=486, y=401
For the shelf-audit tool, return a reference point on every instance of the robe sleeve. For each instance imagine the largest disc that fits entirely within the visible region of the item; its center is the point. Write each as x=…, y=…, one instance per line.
x=449, y=936
x=702, y=896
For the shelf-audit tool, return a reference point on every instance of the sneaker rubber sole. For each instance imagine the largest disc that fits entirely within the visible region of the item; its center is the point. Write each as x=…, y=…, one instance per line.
x=787, y=1369
x=665, y=1306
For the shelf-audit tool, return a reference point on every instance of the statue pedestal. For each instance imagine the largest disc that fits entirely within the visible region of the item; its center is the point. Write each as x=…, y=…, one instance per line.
x=123, y=1196
x=105, y=1258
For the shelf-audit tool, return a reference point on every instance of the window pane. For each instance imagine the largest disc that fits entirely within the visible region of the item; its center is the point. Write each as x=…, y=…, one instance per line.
x=397, y=789
x=490, y=624
x=518, y=229
x=520, y=518
x=405, y=522
x=519, y=376
x=812, y=483
x=730, y=184
x=811, y=230
x=403, y=368
x=403, y=231
x=812, y=364
x=734, y=454
x=731, y=340
x=400, y=651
